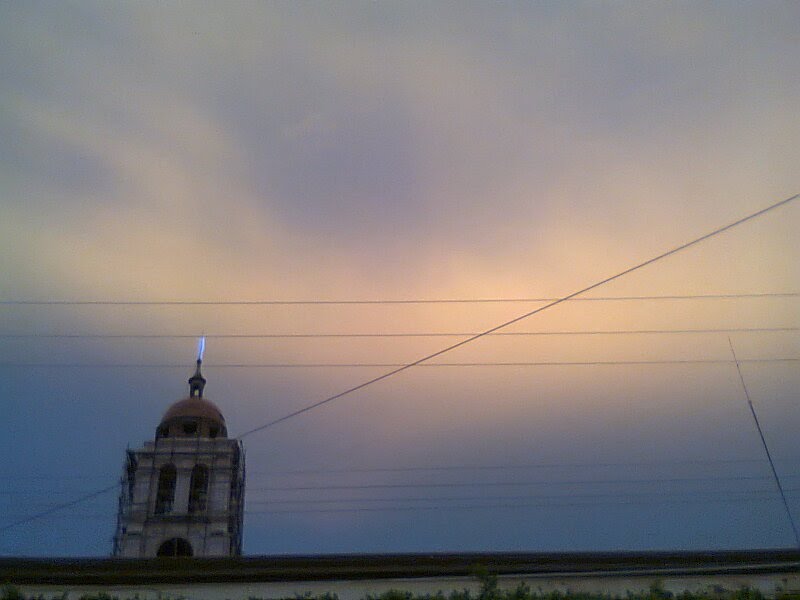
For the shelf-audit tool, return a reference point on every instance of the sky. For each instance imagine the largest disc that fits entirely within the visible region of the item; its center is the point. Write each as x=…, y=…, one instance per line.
x=362, y=151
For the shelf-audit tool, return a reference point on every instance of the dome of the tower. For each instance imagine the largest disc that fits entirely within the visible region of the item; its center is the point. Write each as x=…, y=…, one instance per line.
x=191, y=417
x=193, y=407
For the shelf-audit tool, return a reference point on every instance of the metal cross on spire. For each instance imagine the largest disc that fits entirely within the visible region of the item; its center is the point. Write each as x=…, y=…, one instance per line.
x=197, y=382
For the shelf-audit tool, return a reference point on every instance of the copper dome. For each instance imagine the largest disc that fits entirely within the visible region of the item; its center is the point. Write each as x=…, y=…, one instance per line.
x=194, y=407
x=192, y=416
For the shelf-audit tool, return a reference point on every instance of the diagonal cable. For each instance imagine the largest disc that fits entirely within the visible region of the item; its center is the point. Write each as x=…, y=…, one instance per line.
x=766, y=448
x=547, y=306
x=58, y=507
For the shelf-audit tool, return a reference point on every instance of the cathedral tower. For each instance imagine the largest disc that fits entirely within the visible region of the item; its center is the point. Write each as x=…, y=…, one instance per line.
x=183, y=493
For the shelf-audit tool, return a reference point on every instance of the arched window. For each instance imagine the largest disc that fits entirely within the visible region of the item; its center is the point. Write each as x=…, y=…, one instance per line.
x=198, y=489
x=165, y=495
x=175, y=547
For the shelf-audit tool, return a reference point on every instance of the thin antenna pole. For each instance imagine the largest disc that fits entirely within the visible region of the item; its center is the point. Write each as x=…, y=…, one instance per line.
x=766, y=448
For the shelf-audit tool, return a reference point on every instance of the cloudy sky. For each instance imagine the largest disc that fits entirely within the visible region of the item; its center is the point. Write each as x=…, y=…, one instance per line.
x=406, y=151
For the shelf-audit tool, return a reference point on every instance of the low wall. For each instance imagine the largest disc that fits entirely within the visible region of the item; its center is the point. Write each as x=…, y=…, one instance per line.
x=353, y=577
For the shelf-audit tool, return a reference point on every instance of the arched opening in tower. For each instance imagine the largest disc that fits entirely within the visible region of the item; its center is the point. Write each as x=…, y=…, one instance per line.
x=175, y=547
x=198, y=489
x=165, y=495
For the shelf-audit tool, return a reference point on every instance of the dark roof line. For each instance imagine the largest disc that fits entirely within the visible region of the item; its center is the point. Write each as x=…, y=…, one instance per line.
x=96, y=571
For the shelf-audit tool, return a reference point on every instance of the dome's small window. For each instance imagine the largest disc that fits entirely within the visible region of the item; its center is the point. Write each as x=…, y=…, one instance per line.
x=213, y=431
x=190, y=428
x=162, y=431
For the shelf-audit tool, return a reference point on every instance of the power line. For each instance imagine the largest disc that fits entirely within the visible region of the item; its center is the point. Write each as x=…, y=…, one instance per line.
x=58, y=507
x=766, y=448
x=392, y=335
x=416, y=485
x=506, y=497
x=744, y=494
x=555, y=501
x=450, y=507
x=591, y=496
x=48, y=477
x=509, y=506
x=411, y=485
x=460, y=498
x=46, y=492
x=390, y=301
x=547, y=306
x=460, y=484
x=697, y=361
x=433, y=468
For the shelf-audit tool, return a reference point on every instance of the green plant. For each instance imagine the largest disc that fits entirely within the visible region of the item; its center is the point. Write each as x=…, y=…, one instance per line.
x=11, y=593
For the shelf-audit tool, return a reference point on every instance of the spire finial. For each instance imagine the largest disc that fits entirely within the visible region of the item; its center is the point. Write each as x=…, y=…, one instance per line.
x=201, y=347
x=197, y=382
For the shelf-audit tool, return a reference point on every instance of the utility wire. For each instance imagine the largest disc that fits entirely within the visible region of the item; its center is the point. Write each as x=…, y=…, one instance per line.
x=558, y=505
x=354, y=499
x=58, y=507
x=384, y=301
x=734, y=494
x=435, y=468
x=697, y=361
x=452, y=507
x=410, y=485
x=653, y=463
x=704, y=494
x=523, y=316
x=460, y=484
x=72, y=336
x=54, y=477
x=766, y=448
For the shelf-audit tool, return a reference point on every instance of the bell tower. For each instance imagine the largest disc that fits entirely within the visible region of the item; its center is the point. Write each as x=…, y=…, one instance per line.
x=183, y=493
